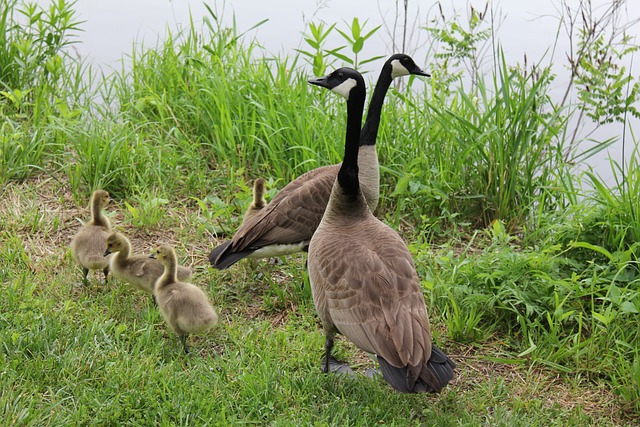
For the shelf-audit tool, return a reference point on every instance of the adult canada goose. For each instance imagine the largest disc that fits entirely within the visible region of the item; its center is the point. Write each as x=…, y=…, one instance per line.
x=258, y=203
x=286, y=225
x=139, y=270
x=88, y=243
x=363, y=280
x=185, y=307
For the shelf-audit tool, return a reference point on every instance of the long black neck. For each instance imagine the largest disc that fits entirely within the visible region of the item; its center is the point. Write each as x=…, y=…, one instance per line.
x=348, y=174
x=369, y=131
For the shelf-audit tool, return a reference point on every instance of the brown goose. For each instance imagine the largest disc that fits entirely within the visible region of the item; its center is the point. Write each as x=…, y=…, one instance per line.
x=363, y=279
x=286, y=225
x=259, y=202
x=139, y=270
x=184, y=306
x=88, y=243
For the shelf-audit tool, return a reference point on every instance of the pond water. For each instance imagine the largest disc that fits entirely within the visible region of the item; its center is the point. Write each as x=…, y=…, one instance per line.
x=113, y=27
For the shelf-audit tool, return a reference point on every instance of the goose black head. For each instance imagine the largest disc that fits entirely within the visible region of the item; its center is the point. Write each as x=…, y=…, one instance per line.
x=403, y=65
x=342, y=81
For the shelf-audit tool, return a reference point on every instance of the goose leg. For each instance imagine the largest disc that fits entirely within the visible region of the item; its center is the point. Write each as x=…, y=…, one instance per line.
x=106, y=273
x=306, y=268
x=328, y=346
x=330, y=363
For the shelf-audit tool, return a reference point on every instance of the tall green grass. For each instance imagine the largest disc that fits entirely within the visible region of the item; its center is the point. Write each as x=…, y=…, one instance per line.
x=232, y=113
x=489, y=157
x=37, y=83
x=618, y=204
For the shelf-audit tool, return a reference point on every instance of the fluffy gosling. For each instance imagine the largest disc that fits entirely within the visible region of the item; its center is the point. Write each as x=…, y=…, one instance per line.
x=258, y=203
x=184, y=306
x=139, y=270
x=88, y=243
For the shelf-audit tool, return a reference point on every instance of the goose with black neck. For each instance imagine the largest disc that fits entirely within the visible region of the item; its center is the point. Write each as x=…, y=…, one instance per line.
x=363, y=279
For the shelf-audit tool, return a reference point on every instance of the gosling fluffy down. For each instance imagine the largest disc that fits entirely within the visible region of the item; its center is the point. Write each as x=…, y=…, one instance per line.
x=258, y=203
x=139, y=270
x=89, y=242
x=184, y=306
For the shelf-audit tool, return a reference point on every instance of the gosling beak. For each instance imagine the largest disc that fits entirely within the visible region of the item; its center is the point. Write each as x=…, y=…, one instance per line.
x=107, y=253
x=152, y=256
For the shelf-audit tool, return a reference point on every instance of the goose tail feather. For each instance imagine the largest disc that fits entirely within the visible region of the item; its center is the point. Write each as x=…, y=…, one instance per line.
x=221, y=257
x=433, y=376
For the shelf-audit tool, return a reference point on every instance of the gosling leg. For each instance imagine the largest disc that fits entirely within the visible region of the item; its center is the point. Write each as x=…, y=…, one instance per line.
x=183, y=340
x=85, y=280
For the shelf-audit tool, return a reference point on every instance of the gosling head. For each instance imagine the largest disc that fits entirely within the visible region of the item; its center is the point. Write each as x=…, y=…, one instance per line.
x=163, y=253
x=101, y=198
x=403, y=65
x=342, y=81
x=259, y=188
x=115, y=243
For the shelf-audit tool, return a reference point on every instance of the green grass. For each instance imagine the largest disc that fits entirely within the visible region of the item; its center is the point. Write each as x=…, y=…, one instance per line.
x=102, y=354
x=532, y=281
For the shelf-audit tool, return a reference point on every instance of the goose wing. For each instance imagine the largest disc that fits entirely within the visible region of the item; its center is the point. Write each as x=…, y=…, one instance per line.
x=292, y=216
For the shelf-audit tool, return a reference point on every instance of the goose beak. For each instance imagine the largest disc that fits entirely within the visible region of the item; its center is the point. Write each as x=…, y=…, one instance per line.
x=152, y=256
x=107, y=253
x=419, y=72
x=320, y=81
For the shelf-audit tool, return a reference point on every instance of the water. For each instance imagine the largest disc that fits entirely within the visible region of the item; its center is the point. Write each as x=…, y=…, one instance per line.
x=112, y=28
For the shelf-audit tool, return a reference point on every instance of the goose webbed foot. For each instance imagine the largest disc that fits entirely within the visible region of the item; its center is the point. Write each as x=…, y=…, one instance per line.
x=336, y=367
x=371, y=373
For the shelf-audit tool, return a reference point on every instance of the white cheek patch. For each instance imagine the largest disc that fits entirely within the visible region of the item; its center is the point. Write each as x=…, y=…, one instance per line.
x=398, y=70
x=344, y=88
